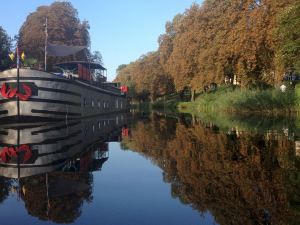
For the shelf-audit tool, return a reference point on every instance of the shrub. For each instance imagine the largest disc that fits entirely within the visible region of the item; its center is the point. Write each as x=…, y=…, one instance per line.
x=235, y=99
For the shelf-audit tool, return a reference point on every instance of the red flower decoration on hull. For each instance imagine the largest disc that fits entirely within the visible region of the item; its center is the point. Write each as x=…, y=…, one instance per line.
x=8, y=153
x=8, y=92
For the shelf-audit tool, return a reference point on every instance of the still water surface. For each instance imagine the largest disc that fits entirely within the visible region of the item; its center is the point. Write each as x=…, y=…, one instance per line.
x=151, y=169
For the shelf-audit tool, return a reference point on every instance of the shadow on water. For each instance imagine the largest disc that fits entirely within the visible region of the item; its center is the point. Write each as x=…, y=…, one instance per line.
x=241, y=171
x=49, y=165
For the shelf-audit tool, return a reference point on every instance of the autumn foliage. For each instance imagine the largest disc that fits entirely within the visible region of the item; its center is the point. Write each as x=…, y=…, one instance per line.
x=234, y=39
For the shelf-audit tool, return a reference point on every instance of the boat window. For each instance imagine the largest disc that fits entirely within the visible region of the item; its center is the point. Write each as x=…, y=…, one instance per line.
x=99, y=104
x=85, y=102
x=92, y=103
x=104, y=105
x=117, y=104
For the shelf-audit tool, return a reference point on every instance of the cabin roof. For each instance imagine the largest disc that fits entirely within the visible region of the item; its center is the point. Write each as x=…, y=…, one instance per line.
x=74, y=64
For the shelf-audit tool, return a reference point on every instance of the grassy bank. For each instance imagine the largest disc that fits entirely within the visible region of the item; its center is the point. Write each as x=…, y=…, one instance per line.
x=236, y=100
x=229, y=99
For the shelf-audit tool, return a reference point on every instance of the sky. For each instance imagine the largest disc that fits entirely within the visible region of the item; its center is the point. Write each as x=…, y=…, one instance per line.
x=122, y=30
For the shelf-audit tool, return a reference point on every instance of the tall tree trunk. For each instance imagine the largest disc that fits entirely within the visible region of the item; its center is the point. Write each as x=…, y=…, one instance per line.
x=193, y=95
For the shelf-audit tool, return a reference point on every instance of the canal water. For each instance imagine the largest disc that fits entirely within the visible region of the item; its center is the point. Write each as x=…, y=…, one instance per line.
x=128, y=169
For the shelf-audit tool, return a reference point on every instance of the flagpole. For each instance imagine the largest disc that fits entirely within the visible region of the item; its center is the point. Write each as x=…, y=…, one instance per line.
x=18, y=78
x=46, y=40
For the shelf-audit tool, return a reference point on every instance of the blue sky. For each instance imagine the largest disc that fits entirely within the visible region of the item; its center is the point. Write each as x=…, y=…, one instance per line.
x=122, y=30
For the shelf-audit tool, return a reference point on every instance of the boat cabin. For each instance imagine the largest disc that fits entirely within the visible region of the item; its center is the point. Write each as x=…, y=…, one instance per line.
x=83, y=70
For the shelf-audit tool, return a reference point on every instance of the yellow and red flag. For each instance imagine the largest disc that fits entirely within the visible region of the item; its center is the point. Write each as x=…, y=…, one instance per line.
x=11, y=56
x=23, y=56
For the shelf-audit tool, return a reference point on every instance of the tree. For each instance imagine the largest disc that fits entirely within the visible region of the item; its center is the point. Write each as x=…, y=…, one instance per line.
x=154, y=79
x=216, y=40
x=120, y=67
x=125, y=76
x=222, y=38
x=288, y=34
x=168, y=50
x=97, y=57
x=64, y=27
x=5, y=48
x=145, y=77
x=251, y=41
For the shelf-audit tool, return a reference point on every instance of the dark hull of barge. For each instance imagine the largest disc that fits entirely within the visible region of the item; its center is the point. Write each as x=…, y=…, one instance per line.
x=56, y=97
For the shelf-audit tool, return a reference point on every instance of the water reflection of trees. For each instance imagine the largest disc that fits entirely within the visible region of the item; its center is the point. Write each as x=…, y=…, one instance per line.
x=240, y=177
x=5, y=186
x=58, y=208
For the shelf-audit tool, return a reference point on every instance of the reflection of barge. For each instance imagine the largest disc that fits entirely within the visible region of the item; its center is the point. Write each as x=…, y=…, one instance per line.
x=72, y=94
x=39, y=148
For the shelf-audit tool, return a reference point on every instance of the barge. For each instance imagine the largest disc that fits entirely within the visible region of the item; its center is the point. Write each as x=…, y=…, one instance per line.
x=71, y=94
